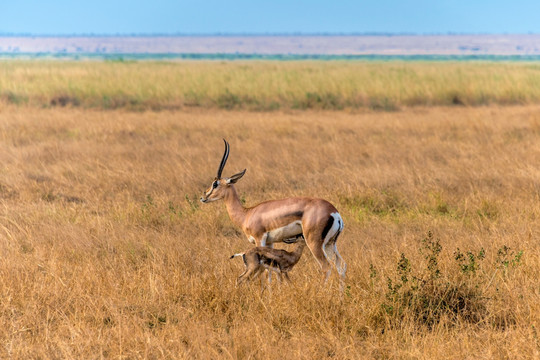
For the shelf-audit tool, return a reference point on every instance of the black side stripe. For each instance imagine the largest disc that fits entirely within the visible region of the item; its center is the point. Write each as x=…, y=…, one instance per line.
x=327, y=227
x=294, y=214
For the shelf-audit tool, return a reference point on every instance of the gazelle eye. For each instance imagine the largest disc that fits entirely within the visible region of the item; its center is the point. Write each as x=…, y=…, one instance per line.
x=214, y=184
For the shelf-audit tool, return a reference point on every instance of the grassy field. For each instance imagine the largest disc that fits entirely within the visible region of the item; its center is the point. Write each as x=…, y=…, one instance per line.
x=107, y=253
x=265, y=85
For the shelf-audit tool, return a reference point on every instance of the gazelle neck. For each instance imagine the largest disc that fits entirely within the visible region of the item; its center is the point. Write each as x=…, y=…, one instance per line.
x=236, y=211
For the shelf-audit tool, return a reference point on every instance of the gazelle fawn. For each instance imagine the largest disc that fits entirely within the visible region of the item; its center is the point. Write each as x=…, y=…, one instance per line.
x=261, y=258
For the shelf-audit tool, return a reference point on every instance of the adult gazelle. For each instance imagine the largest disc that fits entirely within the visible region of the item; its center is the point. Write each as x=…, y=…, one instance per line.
x=283, y=220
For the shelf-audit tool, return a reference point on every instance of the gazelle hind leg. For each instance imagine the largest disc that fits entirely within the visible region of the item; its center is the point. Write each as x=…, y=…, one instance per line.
x=330, y=239
x=318, y=238
x=249, y=260
x=332, y=256
x=316, y=249
x=241, y=276
x=341, y=265
x=332, y=253
x=336, y=258
x=246, y=275
x=329, y=253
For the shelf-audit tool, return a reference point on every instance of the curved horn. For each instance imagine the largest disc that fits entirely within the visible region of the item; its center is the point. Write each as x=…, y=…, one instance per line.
x=224, y=159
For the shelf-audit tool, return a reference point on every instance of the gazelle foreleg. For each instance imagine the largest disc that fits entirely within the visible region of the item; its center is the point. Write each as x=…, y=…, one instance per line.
x=264, y=239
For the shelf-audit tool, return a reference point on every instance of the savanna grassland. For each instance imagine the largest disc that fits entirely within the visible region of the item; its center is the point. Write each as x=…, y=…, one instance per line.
x=107, y=253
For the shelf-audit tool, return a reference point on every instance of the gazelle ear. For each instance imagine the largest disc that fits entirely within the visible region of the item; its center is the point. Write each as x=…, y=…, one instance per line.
x=233, y=179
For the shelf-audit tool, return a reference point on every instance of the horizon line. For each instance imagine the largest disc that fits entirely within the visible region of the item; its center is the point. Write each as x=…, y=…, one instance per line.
x=257, y=34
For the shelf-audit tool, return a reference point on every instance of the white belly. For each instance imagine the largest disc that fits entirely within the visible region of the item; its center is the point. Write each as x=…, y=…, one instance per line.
x=285, y=232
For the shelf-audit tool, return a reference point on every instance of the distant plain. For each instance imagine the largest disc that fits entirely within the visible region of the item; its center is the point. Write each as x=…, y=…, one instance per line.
x=391, y=45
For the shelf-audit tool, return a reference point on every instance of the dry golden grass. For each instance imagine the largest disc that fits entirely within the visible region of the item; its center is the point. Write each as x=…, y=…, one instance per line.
x=106, y=252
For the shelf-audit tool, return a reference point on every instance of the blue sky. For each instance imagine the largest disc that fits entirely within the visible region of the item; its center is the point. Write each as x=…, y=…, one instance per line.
x=65, y=17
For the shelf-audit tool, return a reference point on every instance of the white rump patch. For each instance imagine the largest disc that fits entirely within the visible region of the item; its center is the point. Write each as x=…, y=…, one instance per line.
x=337, y=226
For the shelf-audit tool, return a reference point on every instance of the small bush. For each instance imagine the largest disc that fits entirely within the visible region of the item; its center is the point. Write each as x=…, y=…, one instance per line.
x=469, y=262
x=508, y=258
x=429, y=295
